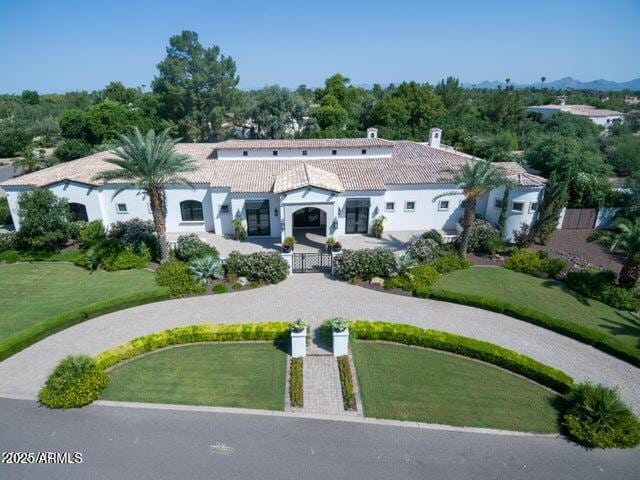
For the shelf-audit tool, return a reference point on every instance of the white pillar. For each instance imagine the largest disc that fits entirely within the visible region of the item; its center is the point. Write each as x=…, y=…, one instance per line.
x=340, y=342
x=298, y=343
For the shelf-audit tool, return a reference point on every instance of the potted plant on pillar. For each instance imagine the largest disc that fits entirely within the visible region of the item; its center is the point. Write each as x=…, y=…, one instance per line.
x=340, y=331
x=298, y=338
x=287, y=244
x=333, y=245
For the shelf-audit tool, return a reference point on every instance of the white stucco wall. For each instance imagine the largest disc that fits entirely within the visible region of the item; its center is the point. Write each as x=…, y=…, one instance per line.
x=237, y=202
x=427, y=214
x=514, y=220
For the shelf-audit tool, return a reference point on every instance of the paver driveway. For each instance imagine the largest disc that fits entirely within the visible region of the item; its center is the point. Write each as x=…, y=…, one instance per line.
x=316, y=298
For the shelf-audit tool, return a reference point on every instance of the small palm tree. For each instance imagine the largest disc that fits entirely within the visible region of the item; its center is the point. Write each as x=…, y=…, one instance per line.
x=205, y=269
x=148, y=163
x=624, y=236
x=31, y=159
x=475, y=179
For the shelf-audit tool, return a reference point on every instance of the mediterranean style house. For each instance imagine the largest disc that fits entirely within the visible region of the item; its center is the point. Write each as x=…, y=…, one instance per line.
x=336, y=186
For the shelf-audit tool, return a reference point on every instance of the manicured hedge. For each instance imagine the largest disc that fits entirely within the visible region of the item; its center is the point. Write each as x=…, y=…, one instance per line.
x=193, y=334
x=30, y=335
x=468, y=347
x=296, y=391
x=586, y=335
x=346, y=381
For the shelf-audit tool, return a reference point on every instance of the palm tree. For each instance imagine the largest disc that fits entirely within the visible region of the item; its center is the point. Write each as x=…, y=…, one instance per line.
x=475, y=179
x=542, y=80
x=31, y=159
x=624, y=236
x=148, y=163
x=205, y=269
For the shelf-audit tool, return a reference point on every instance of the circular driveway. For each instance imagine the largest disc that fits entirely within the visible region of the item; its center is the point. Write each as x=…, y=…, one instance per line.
x=316, y=298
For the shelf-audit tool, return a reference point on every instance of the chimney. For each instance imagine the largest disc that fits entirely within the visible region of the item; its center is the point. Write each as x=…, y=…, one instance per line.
x=435, y=135
x=372, y=132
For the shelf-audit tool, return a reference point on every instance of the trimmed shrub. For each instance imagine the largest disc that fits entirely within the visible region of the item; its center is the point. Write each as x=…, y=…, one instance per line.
x=271, y=331
x=553, y=266
x=525, y=261
x=269, y=267
x=492, y=245
x=600, y=285
x=598, y=418
x=365, y=264
x=468, y=347
x=74, y=228
x=450, y=263
x=583, y=334
x=8, y=241
x=220, y=288
x=481, y=231
x=127, y=260
x=377, y=226
x=425, y=250
x=346, y=382
x=135, y=232
x=71, y=149
x=190, y=247
x=43, y=220
x=175, y=275
x=91, y=234
x=75, y=382
x=9, y=256
x=433, y=235
x=296, y=395
x=15, y=342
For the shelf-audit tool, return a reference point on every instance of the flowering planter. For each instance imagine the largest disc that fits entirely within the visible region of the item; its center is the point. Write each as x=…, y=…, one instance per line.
x=286, y=248
x=340, y=342
x=298, y=343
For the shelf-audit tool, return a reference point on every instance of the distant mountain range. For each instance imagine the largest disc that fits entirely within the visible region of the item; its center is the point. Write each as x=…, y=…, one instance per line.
x=567, y=83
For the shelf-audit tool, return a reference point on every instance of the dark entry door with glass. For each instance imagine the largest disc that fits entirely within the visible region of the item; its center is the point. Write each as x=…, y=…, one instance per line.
x=357, y=215
x=258, y=222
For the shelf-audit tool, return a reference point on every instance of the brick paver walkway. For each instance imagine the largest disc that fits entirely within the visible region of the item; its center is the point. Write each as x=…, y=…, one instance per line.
x=322, y=391
x=317, y=298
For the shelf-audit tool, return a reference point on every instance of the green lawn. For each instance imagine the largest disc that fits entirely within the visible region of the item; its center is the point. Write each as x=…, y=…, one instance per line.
x=30, y=293
x=545, y=296
x=407, y=383
x=246, y=375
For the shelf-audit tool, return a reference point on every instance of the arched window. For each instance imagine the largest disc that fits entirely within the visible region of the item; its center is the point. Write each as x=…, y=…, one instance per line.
x=78, y=212
x=191, y=211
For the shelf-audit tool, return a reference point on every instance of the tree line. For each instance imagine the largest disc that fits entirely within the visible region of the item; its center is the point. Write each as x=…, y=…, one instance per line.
x=195, y=96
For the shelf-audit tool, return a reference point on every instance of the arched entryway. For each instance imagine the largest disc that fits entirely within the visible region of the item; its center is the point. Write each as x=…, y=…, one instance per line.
x=310, y=227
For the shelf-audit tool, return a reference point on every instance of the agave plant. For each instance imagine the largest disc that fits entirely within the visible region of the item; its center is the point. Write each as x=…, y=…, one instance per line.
x=205, y=269
x=404, y=263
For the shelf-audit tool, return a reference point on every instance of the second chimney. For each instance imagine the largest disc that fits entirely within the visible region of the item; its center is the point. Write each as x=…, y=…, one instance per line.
x=435, y=135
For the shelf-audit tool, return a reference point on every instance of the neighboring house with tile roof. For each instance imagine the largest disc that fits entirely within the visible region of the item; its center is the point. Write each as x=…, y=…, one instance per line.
x=336, y=186
x=599, y=116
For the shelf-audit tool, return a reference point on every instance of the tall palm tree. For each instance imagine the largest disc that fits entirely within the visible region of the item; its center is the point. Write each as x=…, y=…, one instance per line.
x=31, y=159
x=624, y=236
x=475, y=179
x=542, y=80
x=148, y=163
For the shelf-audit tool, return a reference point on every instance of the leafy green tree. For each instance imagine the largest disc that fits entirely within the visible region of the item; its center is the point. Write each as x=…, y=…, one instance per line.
x=148, y=163
x=276, y=112
x=31, y=97
x=117, y=92
x=71, y=149
x=43, y=220
x=555, y=198
x=624, y=236
x=475, y=179
x=196, y=86
x=74, y=124
x=13, y=139
x=623, y=152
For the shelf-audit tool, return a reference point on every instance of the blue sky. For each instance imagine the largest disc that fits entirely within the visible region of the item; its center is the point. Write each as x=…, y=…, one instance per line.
x=58, y=45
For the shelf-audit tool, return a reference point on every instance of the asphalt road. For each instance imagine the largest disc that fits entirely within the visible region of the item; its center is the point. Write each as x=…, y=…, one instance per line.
x=6, y=172
x=128, y=443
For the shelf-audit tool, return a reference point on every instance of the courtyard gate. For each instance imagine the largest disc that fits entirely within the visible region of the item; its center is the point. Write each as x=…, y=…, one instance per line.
x=579, y=218
x=311, y=262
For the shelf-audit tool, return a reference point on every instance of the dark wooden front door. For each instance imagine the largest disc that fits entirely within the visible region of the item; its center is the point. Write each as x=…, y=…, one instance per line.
x=579, y=218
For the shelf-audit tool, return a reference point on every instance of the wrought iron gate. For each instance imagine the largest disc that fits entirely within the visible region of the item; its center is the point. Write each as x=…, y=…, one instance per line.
x=311, y=262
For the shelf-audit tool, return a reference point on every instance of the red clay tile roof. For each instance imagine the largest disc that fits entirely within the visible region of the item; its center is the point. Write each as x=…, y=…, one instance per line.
x=410, y=164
